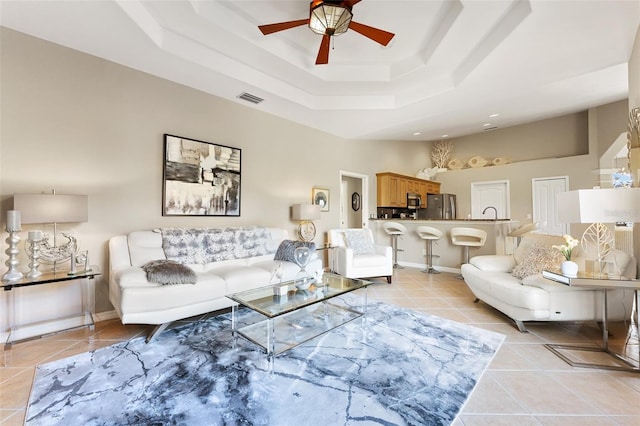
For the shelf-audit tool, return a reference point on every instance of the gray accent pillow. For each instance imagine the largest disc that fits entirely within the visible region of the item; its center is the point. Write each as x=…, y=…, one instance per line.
x=169, y=272
x=287, y=247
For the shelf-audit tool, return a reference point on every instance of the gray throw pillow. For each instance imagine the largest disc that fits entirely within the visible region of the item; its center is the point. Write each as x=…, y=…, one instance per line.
x=168, y=272
x=287, y=247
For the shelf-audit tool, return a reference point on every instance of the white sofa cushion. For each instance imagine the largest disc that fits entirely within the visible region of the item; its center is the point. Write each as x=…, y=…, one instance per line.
x=145, y=246
x=493, y=262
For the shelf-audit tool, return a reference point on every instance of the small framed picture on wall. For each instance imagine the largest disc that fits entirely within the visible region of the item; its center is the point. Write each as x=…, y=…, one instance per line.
x=320, y=196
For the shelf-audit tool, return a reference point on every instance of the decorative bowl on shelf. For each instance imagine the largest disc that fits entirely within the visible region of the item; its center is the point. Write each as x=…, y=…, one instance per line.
x=304, y=283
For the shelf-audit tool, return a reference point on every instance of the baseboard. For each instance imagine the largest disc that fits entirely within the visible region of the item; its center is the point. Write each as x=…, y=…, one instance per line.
x=107, y=315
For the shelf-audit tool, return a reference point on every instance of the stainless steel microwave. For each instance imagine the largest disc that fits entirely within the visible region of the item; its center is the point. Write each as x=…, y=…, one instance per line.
x=413, y=201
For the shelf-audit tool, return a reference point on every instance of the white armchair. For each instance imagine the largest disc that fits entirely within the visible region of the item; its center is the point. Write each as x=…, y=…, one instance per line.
x=354, y=254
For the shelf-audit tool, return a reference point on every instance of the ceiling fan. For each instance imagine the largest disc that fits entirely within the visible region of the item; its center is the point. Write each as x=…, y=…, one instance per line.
x=330, y=18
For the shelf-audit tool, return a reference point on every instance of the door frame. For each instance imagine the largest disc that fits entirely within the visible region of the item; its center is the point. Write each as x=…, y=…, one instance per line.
x=364, y=197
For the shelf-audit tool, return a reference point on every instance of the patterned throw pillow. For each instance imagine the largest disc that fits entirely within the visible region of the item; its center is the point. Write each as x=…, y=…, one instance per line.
x=359, y=241
x=537, y=258
x=287, y=247
x=168, y=272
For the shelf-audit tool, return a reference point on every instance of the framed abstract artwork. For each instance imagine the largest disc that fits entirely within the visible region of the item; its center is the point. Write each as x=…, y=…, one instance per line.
x=320, y=196
x=200, y=178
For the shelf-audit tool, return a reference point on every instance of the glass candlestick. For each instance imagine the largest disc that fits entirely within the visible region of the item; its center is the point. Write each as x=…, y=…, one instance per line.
x=34, y=248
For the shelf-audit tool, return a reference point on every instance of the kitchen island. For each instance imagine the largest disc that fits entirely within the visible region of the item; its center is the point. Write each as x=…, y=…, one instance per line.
x=451, y=256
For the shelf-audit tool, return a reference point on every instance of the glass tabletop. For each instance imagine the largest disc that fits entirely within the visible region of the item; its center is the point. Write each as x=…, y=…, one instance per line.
x=51, y=277
x=279, y=299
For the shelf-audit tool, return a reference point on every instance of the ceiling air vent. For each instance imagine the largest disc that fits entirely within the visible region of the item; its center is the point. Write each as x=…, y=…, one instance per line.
x=250, y=98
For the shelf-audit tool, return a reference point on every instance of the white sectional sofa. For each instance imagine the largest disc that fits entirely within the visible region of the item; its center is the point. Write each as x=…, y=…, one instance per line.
x=225, y=260
x=535, y=298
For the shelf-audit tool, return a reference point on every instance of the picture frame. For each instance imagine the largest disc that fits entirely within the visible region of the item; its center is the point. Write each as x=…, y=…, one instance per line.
x=355, y=201
x=200, y=178
x=320, y=196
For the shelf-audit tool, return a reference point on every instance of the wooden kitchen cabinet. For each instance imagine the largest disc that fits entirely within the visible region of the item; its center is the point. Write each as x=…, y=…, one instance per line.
x=393, y=188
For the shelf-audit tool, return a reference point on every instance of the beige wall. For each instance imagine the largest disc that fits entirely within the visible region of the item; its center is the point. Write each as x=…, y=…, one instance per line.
x=572, y=130
x=83, y=125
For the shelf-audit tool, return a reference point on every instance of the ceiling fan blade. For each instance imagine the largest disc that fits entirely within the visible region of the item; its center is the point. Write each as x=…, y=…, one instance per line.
x=375, y=34
x=323, y=52
x=280, y=26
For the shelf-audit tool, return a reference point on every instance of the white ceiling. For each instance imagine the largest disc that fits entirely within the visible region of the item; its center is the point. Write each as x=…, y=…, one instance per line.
x=451, y=64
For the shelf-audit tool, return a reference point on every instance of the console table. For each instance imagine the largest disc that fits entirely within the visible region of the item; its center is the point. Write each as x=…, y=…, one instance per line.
x=603, y=283
x=19, y=332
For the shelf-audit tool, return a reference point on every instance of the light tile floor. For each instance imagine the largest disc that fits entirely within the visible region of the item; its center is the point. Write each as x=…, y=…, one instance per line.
x=525, y=384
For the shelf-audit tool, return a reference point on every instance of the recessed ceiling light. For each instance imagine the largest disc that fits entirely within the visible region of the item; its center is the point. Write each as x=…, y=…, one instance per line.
x=417, y=134
x=487, y=124
x=494, y=115
x=445, y=136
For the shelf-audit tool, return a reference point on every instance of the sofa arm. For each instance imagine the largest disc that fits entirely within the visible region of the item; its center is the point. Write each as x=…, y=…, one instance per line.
x=494, y=262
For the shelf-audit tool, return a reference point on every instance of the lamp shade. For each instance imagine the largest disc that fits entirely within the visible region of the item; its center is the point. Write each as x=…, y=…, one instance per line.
x=305, y=211
x=51, y=208
x=608, y=205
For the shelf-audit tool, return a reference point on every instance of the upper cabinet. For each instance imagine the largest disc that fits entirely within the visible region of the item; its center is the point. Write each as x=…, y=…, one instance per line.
x=393, y=188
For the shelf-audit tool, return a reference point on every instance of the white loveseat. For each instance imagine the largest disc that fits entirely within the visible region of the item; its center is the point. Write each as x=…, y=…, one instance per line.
x=535, y=298
x=354, y=254
x=225, y=260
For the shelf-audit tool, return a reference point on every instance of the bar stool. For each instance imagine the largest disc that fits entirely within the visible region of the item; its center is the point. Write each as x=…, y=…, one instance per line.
x=395, y=229
x=430, y=235
x=467, y=237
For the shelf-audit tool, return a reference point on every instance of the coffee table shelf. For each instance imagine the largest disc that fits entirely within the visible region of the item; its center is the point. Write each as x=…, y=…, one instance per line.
x=295, y=316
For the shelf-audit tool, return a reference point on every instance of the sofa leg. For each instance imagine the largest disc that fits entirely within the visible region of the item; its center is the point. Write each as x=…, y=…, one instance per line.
x=157, y=330
x=476, y=300
x=521, y=326
x=388, y=279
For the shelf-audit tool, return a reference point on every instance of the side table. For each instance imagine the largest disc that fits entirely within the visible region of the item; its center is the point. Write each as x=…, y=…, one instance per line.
x=84, y=318
x=604, y=284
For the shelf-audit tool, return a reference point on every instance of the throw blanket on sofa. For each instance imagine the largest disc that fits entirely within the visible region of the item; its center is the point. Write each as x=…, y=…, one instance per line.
x=206, y=245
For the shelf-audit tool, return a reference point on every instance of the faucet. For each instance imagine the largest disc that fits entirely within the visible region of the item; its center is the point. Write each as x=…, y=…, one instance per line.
x=495, y=211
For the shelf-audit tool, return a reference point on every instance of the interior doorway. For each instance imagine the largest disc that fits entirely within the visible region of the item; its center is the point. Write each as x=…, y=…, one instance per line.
x=354, y=199
x=545, y=212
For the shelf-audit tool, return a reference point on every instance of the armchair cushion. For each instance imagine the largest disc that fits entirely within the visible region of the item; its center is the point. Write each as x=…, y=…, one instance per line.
x=359, y=241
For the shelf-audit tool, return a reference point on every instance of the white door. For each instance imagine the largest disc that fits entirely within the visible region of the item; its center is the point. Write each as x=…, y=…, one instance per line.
x=485, y=195
x=544, y=192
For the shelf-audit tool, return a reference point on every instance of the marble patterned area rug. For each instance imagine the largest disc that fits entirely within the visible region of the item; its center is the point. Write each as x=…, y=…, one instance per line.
x=401, y=368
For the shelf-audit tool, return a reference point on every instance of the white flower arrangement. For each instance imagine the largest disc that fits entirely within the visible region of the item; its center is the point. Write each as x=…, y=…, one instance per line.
x=567, y=248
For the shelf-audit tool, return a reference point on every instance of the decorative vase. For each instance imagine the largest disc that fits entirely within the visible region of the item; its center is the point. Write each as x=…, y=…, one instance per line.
x=569, y=268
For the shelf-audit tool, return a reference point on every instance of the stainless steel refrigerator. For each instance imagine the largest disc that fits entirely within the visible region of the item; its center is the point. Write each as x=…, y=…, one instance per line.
x=440, y=206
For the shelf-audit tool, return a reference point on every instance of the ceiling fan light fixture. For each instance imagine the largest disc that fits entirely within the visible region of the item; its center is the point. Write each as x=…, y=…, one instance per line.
x=329, y=19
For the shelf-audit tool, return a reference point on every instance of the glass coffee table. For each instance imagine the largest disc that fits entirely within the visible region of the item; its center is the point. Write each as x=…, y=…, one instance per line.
x=293, y=312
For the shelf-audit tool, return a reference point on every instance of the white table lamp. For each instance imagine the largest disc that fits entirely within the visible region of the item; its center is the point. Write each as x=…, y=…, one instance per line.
x=599, y=207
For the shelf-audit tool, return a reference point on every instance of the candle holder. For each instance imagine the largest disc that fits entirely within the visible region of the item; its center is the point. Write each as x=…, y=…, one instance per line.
x=34, y=252
x=12, y=262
